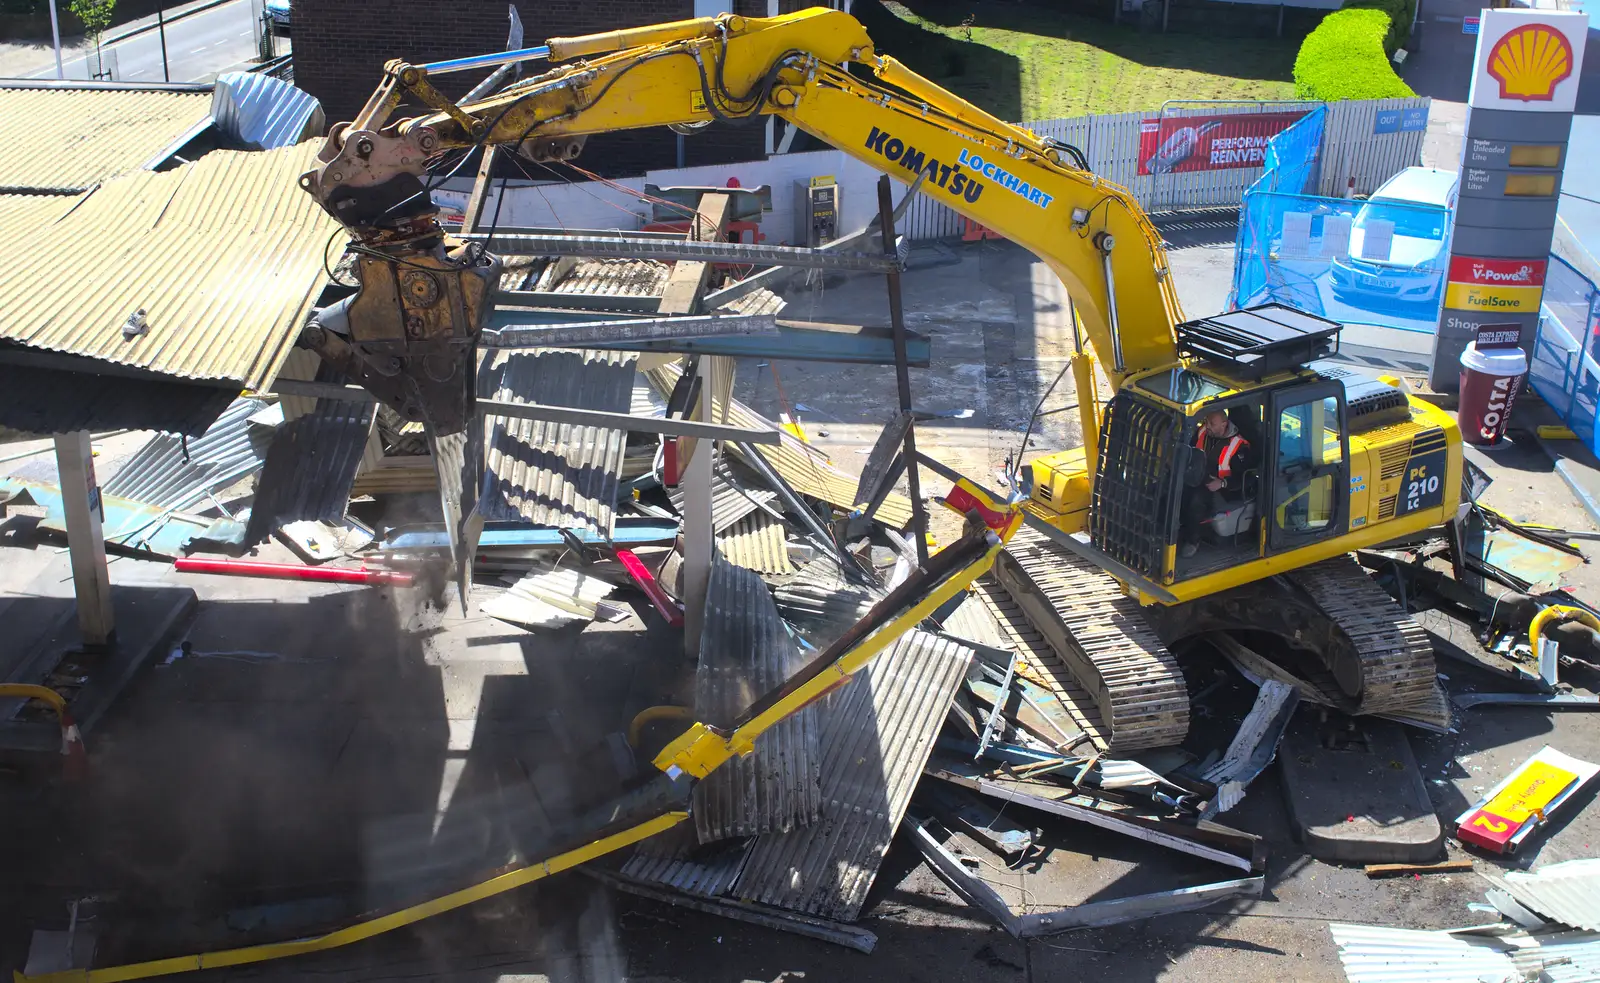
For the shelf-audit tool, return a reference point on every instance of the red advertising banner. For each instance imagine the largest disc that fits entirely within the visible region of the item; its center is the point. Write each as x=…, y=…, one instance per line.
x=1500, y=272
x=1176, y=144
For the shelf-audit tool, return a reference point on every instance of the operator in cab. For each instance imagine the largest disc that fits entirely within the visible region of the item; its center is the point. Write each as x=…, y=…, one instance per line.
x=1228, y=455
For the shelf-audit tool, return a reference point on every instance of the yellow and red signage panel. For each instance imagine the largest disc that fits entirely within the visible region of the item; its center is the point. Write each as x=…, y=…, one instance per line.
x=1523, y=800
x=1496, y=299
x=1481, y=271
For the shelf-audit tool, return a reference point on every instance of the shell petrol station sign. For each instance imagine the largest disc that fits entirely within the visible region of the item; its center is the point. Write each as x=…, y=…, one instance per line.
x=1524, y=88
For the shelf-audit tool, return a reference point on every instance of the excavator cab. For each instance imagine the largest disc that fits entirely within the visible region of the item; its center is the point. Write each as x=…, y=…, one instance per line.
x=1239, y=453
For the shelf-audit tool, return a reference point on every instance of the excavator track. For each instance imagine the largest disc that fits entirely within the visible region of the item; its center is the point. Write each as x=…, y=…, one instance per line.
x=1102, y=636
x=1352, y=640
x=1380, y=655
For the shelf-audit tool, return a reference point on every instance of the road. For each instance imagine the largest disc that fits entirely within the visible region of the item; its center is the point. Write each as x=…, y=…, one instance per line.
x=199, y=47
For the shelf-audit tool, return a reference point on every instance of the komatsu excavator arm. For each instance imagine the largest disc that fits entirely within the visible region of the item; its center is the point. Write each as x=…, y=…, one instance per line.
x=424, y=295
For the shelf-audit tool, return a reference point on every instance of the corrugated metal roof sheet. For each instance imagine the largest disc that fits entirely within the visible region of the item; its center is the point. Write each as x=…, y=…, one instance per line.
x=224, y=256
x=1374, y=954
x=619, y=277
x=614, y=278
x=397, y=475
x=67, y=139
x=675, y=859
x=555, y=474
x=733, y=496
x=1568, y=893
x=1561, y=957
x=52, y=401
x=23, y=215
x=877, y=734
x=758, y=542
x=310, y=467
x=745, y=651
x=804, y=467
x=261, y=112
x=819, y=604
x=171, y=473
x=1490, y=954
x=550, y=595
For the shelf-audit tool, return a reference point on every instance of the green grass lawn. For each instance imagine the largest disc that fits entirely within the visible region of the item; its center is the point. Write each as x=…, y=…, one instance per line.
x=1024, y=62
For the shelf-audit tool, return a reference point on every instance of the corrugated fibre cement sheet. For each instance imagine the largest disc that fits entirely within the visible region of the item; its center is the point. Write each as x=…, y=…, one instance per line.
x=877, y=734
x=555, y=474
x=745, y=651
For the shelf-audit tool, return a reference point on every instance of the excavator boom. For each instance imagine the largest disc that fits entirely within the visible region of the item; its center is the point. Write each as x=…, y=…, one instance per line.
x=808, y=68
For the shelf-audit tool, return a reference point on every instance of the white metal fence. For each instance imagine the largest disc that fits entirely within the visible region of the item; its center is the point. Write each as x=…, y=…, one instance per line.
x=1353, y=144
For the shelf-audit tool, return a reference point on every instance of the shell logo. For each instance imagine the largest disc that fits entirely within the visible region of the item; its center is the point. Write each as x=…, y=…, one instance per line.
x=1530, y=62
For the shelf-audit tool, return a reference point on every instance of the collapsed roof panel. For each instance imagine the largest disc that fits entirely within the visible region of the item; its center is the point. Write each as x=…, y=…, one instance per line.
x=64, y=139
x=52, y=401
x=555, y=474
x=877, y=734
x=745, y=651
x=803, y=466
x=223, y=257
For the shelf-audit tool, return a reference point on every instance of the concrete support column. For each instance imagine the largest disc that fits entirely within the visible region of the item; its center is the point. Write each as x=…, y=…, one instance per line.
x=80, y=498
x=697, y=542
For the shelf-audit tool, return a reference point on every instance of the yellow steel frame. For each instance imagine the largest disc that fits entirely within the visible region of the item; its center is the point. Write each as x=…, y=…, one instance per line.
x=365, y=929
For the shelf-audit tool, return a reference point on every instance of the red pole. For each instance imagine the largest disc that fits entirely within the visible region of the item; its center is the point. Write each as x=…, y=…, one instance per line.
x=647, y=582
x=293, y=571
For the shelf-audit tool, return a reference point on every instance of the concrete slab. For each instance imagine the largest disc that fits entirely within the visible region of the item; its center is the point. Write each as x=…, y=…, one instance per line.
x=1355, y=793
x=148, y=619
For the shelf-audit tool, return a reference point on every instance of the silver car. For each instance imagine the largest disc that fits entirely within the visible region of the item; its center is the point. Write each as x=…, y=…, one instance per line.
x=1410, y=272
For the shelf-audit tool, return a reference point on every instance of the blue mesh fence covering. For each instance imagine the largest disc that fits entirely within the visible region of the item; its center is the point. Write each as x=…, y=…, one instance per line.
x=1360, y=262
x=1564, y=366
x=1294, y=156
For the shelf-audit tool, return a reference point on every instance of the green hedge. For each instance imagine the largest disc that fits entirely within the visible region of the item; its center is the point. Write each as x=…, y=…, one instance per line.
x=1401, y=14
x=1347, y=56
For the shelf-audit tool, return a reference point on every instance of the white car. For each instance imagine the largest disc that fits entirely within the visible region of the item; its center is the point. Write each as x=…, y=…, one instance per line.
x=1409, y=271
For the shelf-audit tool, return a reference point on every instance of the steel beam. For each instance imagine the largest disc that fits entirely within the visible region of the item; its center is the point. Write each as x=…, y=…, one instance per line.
x=669, y=250
x=797, y=341
x=624, y=333
x=588, y=302
x=623, y=421
x=321, y=390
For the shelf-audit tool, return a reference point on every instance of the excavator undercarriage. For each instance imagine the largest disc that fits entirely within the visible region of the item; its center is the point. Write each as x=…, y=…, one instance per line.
x=1328, y=624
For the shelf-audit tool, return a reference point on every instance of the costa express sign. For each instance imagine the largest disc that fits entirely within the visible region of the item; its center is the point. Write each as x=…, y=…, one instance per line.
x=1178, y=144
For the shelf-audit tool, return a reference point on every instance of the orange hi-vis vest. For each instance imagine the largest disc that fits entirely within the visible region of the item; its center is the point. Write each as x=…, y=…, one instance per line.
x=1225, y=457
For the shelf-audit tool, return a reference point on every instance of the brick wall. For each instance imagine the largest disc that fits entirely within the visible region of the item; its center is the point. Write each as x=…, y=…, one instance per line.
x=340, y=47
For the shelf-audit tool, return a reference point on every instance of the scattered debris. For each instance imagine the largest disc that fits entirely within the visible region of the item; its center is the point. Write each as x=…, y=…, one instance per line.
x=1375, y=954
x=1253, y=747
x=1568, y=893
x=976, y=892
x=1406, y=870
x=1523, y=801
x=550, y=595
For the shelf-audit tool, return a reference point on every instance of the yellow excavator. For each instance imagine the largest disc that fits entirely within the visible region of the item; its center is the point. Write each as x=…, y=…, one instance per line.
x=1132, y=544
